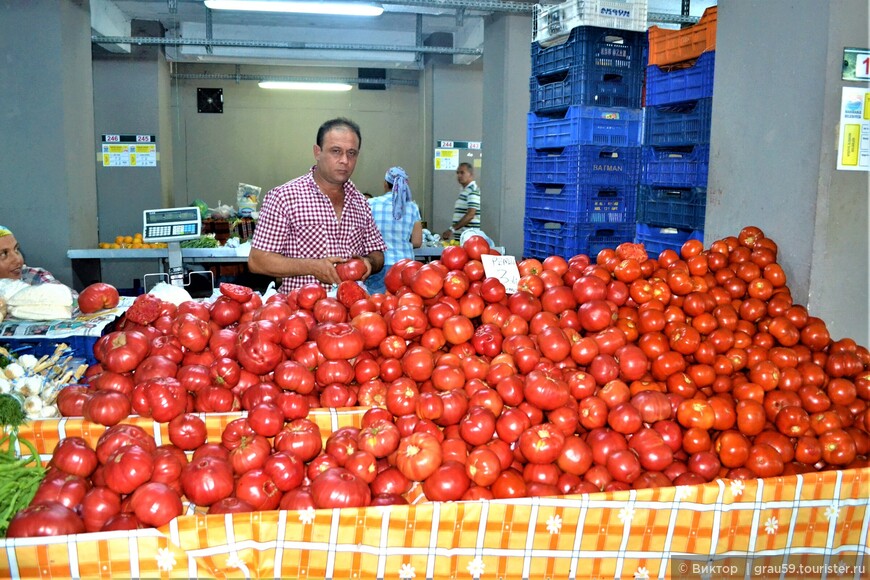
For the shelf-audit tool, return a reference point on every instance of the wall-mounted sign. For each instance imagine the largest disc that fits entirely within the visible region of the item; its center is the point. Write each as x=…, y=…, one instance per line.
x=446, y=159
x=129, y=150
x=856, y=64
x=447, y=154
x=854, y=146
x=459, y=144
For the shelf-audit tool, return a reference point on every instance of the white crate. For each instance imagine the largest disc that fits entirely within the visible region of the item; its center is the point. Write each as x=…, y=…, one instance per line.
x=554, y=21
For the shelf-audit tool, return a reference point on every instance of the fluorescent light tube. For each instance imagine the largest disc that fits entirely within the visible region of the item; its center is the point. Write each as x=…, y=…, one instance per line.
x=304, y=86
x=301, y=7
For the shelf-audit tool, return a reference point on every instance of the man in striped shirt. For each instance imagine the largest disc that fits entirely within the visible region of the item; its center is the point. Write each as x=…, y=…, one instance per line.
x=318, y=220
x=466, y=210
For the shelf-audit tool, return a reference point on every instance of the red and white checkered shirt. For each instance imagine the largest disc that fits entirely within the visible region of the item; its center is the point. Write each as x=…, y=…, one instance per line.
x=297, y=220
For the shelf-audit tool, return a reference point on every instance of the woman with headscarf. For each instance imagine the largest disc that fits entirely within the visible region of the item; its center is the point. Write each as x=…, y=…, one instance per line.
x=398, y=218
x=18, y=285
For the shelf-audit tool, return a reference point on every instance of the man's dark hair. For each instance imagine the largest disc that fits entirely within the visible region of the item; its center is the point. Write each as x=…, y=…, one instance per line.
x=338, y=122
x=468, y=166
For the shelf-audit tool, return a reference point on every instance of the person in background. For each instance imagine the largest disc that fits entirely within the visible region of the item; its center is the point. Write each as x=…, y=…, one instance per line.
x=12, y=262
x=398, y=218
x=12, y=267
x=466, y=210
x=308, y=225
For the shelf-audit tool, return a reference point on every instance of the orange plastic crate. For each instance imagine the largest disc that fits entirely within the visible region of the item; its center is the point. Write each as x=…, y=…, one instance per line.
x=672, y=46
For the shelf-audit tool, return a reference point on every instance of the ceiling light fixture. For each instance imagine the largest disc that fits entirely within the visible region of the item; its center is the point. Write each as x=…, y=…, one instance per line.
x=301, y=7
x=305, y=86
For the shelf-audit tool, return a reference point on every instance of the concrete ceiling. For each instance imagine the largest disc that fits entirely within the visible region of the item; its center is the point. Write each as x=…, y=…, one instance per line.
x=191, y=33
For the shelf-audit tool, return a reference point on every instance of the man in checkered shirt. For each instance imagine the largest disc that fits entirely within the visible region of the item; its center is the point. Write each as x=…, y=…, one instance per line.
x=318, y=220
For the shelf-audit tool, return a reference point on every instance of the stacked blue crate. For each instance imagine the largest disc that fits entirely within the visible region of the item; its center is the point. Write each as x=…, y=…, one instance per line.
x=672, y=196
x=584, y=135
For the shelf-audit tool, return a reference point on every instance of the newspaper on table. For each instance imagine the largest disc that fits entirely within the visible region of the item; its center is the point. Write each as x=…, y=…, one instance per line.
x=78, y=325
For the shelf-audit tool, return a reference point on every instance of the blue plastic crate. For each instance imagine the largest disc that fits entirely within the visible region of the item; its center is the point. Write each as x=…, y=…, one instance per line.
x=81, y=346
x=656, y=239
x=591, y=47
x=685, y=166
x=582, y=202
x=685, y=81
x=684, y=123
x=614, y=166
x=595, y=66
x=581, y=86
x=545, y=238
x=677, y=207
x=586, y=125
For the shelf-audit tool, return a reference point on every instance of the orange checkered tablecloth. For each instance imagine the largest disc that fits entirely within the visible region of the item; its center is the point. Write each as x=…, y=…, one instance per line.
x=790, y=527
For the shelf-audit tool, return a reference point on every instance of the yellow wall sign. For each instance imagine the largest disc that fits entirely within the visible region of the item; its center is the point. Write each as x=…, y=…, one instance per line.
x=854, y=144
x=129, y=151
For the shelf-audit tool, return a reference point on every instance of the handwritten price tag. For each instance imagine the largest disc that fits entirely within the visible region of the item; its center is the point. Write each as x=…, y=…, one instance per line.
x=504, y=268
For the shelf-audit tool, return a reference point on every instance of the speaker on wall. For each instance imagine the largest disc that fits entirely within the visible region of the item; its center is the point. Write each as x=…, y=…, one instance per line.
x=209, y=100
x=375, y=79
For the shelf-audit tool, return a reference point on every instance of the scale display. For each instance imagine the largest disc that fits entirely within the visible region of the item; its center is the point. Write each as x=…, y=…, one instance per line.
x=171, y=225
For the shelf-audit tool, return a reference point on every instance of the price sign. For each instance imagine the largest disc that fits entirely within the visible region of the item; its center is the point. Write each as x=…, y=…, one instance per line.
x=856, y=64
x=504, y=268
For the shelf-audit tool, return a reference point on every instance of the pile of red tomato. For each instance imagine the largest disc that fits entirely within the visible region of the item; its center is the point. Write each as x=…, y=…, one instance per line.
x=600, y=374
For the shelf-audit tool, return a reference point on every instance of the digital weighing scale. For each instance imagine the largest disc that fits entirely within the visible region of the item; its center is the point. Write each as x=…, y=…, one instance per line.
x=173, y=226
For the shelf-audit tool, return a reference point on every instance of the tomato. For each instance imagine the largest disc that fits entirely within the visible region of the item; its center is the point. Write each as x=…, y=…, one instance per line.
x=257, y=489
x=623, y=465
x=207, y=480
x=163, y=399
x=476, y=246
x=127, y=468
x=106, y=407
x=230, y=505
x=838, y=447
x=509, y=484
x=353, y=269
x=541, y=443
x=482, y=466
x=47, y=519
x=448, y=482
x=302, y=438
x=121, y=435
x=67, y=490
x=575, y=456
x=98, y=296
x=339, y=341
x=338, y=488
x=545, y=391
x=145, y=309
x=380, y=438
x=225, y=311
x=235, y=292
x=418, y=456
x=251, y=453
x=98, y=506
x=187, y=431
x=156, y=504
x=122, y=351
x=764, y=461
x=408, y=322
x=259, y=348
x=74, y=456
x=192, y=331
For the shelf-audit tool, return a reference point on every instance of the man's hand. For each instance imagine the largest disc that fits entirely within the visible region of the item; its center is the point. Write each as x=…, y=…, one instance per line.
x=324, y=269
x=447, y=235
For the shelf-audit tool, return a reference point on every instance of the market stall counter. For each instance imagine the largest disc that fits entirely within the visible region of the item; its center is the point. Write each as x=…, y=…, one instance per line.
x=80, y=333
x=87, y=264
x=816, y=521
